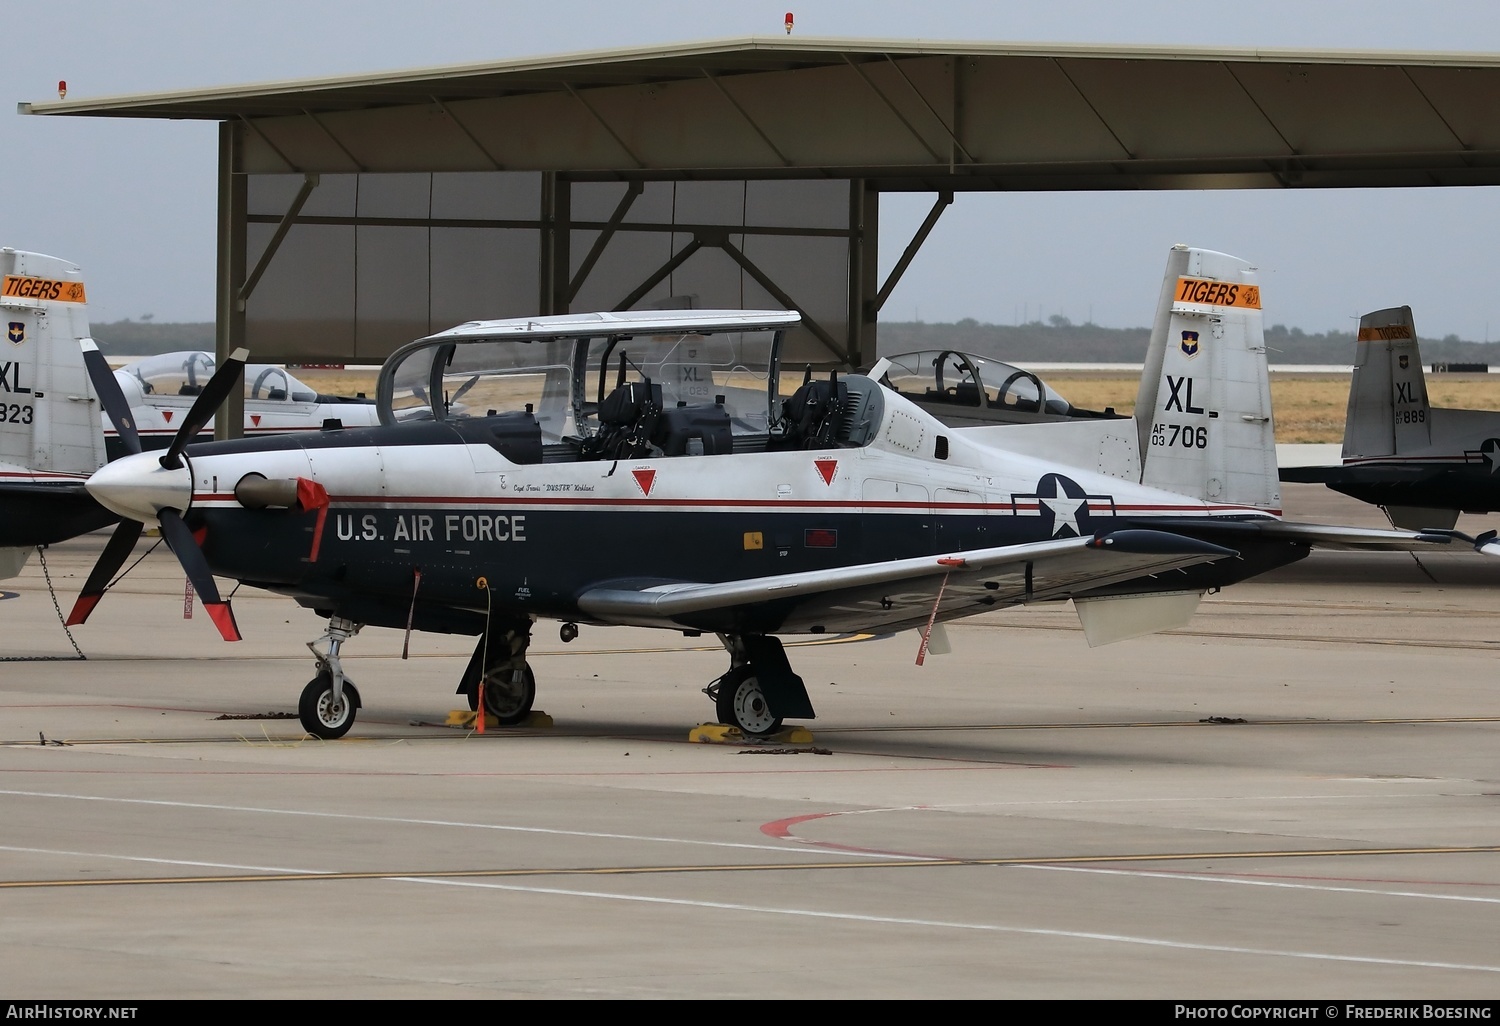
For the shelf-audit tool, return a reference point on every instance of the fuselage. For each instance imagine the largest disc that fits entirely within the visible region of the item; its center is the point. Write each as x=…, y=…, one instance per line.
x=488, y=532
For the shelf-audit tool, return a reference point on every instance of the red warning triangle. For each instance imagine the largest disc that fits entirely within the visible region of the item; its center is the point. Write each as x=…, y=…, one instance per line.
x=167, y=416
x=255, y=420
x=645, y=478
x=827, y=469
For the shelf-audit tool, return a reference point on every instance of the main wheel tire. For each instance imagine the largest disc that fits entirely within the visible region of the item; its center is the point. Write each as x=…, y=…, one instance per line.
x=742, y=703
x=506, y=699
x=320, y=715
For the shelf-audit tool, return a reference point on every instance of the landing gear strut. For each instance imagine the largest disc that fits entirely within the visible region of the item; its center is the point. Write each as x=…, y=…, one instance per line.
x=329, y=701
x=760, y=687
x=509, y=684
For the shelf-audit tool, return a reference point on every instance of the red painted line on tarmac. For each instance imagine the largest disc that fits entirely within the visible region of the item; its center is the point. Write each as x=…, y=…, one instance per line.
x=781, y=829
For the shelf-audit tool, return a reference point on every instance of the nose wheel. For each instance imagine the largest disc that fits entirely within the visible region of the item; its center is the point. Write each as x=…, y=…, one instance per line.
x=324, y=712
x=329, y=701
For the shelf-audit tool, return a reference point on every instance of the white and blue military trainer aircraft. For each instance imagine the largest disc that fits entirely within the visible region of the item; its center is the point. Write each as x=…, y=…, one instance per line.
x=648, y=469
x=160, y=391
x=54, y=432
x=1422, y=464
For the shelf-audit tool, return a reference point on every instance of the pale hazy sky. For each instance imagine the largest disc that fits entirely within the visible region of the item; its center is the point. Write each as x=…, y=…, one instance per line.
x=133, y=201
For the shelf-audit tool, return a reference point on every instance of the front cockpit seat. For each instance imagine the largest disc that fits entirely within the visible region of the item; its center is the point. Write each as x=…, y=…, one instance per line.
x=628, y=421
x=811, y=415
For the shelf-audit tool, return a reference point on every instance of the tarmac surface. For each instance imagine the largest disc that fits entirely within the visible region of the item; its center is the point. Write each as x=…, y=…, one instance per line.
x=1297, y=796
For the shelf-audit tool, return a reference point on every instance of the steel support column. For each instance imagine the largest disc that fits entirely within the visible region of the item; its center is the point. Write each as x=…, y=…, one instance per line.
x=229, y=312
x=553, y=252
x=864, y=235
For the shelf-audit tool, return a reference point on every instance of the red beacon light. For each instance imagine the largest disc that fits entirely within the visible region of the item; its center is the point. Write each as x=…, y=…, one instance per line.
x=62, y=85
x=788, y=22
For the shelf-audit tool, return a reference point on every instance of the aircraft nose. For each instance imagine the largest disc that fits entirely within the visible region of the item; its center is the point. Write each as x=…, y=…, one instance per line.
x=137, y=486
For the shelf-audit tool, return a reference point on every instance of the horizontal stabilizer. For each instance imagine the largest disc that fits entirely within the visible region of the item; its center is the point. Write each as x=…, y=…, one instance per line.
x=1324, y=536
x=1338, y=473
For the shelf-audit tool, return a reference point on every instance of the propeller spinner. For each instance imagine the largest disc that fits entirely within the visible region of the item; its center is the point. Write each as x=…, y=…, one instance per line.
x=144, y=488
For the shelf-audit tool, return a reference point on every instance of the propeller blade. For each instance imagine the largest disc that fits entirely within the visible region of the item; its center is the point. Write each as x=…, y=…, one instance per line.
x=180, y=538
x=110, y=396
x=463, y=389
x=225, y=380
x=115, y=553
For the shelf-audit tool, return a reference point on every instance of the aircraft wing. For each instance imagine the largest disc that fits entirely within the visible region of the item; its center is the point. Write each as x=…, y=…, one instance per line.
x=900, y=593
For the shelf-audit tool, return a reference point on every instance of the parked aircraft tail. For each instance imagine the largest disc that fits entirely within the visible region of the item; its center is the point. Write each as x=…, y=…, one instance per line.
x=50, y=438
x=1202, y=423
x=1203, y=411
x=1388, y=409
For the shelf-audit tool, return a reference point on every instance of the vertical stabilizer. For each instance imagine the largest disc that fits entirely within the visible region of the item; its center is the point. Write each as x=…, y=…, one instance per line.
x=1388, y=409
x=49, y=415
x=1204, y=406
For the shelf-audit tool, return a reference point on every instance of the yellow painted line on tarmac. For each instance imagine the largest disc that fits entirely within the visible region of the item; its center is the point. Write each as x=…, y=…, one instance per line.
x=469, y=874
x=525, y=731
x=1221, y=723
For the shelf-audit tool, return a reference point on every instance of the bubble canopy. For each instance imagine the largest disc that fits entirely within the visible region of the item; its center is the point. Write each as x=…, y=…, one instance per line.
x=561, y=368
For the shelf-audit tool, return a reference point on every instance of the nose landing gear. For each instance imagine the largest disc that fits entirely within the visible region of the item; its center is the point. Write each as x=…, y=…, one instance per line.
x=328, y=704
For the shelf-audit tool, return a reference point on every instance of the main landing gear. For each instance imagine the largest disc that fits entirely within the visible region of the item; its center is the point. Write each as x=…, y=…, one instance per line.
x=509, y=684
x=760, y=689
x=330, y=700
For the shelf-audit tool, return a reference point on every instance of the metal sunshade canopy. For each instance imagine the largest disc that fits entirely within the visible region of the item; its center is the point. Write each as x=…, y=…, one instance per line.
x=770, y=123
x=905, y=114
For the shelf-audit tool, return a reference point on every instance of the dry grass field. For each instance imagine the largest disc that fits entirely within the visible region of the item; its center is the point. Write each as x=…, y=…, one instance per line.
x=1308, y=407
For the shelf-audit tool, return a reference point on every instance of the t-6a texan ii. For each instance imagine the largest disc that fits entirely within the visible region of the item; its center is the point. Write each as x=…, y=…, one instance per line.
x=650, y=469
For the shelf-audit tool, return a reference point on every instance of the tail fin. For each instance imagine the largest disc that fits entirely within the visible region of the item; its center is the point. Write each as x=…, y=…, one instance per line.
x=1388, y=409
x=50, y=416
x=1203, y=411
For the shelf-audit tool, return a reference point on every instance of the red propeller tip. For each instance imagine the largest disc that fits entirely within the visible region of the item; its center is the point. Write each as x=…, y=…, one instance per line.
x=223, y=618
x=82, y=608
